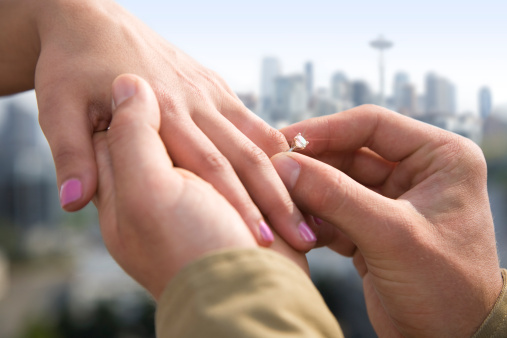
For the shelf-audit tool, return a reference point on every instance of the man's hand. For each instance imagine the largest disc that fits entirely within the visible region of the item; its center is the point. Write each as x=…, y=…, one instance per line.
x=156, y=218
x=411, y=206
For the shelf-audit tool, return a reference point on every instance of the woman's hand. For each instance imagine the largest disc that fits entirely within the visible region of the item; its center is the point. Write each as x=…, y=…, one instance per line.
x=155, y=218
x=76, y=48
x=409, y=203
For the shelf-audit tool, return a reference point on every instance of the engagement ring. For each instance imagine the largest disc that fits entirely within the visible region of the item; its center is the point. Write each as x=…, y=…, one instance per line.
x=299, y=143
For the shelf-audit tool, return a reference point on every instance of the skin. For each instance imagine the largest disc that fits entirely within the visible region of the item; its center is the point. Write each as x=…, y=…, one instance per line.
x=409, y=203
x=70, y=51
x=156, y=218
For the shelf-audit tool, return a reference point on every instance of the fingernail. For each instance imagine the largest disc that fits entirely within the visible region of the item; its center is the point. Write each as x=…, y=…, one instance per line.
x=123, y=88
x=317, y=220
x=266, y=232
x=288, y=169
x=70, y=191
x=306, y=233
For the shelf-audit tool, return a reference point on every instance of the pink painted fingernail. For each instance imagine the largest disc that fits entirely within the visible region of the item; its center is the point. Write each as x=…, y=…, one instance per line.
x=317, y=220
x=306, y=233
x=266, y=232
x=70, y=191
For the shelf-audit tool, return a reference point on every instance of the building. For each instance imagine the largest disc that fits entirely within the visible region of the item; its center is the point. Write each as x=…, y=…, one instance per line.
x=309, y=78
x=360, y=93
x=485, y=102
x=290, y=99
x=28, y=192
x=407, y=100
x=270, y=71
x=401, y=79
x=340, y=86
x=440, y=95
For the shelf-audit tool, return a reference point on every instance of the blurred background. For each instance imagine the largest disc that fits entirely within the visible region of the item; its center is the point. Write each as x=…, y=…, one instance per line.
x=439, y=62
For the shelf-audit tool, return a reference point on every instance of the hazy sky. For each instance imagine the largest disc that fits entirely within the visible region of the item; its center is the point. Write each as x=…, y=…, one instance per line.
x=464, y=41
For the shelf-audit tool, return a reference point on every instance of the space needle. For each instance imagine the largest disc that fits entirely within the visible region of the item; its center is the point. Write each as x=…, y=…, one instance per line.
x=380, y=43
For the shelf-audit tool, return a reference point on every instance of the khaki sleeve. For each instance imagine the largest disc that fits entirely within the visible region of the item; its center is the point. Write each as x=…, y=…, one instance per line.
x=495, y=325
x=243, y=293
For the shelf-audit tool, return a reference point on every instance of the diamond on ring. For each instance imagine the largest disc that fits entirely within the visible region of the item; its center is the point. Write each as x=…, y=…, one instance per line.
x=299, y=143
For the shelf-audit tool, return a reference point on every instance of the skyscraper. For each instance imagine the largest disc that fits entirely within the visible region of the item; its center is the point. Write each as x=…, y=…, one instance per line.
x=400, y=80
x=340, y=86
x=440, y=95
x=28, y=193
x=485, y=102
x=290, y=99
x=270, y=71
x=360, y=93
x=309, y=78
x=407, y=103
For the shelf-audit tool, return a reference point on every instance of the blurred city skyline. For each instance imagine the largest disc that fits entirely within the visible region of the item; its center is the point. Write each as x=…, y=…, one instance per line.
x=54, y=262
x=464, y=42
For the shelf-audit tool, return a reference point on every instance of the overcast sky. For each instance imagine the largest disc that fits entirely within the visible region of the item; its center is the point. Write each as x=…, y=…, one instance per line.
x=464, y=41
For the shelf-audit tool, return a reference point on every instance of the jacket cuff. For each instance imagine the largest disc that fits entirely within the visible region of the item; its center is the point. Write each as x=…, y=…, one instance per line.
x=495, y=325
x=243, y=293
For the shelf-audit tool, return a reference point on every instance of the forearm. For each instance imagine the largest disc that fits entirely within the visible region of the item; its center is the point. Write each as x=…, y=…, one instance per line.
x=19, y=45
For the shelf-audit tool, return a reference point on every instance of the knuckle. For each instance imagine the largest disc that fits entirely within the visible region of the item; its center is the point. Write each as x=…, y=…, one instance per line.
x=254, y=155
x=464, y=152
x=216, y=162
x=276, y=139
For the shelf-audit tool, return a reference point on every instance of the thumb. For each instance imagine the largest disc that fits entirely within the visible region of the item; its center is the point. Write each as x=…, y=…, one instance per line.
x=138, y=156
x=329, y=194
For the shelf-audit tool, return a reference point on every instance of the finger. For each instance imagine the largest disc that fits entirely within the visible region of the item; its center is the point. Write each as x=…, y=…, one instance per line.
x=134, y=130
x=362, y=165
x=257, y=174
x=191, y=149
x=361, y=214
x=104, y=198
x=267, y=138
x=67, y=127
x=389, y=134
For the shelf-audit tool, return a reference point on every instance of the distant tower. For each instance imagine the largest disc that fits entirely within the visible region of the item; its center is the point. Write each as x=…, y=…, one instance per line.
x=440, y=95
x=270, y=71
x=360, y=93
x=309, y=78
x=290, y=99
x=485, y=102
x=339, y=86
x=401, y=79
x=381, y=44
